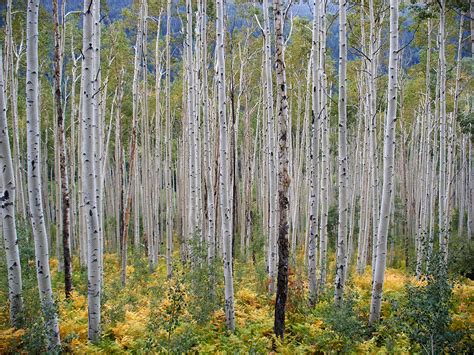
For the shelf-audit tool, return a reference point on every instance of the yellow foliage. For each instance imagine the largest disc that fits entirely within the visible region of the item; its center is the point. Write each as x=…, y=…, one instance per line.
x=218, y=318
x=133, y=313
x=132, y=328
x=10, y=339
x=79, y=301
x=463, y=318
x=53, y=264
x=248, y=297
x=395, y=281
x=73, y=316
x=316, y=326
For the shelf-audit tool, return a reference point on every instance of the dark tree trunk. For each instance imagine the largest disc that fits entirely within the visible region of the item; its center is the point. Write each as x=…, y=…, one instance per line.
x=283, y=176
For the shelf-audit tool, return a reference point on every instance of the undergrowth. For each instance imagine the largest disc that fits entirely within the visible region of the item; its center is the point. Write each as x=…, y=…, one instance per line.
x=185, y=313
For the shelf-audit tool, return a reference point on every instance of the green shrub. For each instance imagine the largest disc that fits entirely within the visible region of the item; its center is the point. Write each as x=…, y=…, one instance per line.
x=425, y=315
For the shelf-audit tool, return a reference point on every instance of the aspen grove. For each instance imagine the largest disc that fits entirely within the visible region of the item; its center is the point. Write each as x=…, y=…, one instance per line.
x=202, y=176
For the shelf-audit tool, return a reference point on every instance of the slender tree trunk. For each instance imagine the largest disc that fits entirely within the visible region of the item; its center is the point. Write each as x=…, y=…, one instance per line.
x=132, y=173
x=193, y=226
x=342, y=196
x=442, y=195
x=211, y=207
x=272, y=184
x=388, y=161
x=11, y=75
x=8, y=202
x=34, y=178
x=325, y=154
x=169, y=206
x=283, y=173
x=62, y=154
x=118, y=169
x=225, y=208
x=97, y=127
x=470, y=194
x=314, y=159
x=88, y=175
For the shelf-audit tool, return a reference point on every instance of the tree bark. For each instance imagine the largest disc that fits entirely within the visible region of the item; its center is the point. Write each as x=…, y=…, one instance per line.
x=35, y=194
x=442, y=195
x=314, y=170
x=225, y=208
x=169, y=206
x=271, y=146
x=89, y=173
x=342, y=196
x=283, y=174
x=8, y=202
x=62, y=154
x=388, y=161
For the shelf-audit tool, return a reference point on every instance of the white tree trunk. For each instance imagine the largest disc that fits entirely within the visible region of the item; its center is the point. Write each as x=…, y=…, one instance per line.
x=271, y=145
x=224, y=179
x=388, y=161
x=11, y=75
x=35, y=194
x=169, y=205
x=314, y=159
x=342, y=158
x=442, y=195
x=8, y=201
x=89, y=173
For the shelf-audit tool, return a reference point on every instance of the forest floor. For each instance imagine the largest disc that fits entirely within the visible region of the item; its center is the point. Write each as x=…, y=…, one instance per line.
x=183, y=314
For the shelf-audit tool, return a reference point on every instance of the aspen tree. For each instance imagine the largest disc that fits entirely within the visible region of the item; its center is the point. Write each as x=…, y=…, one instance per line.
x=145, y=188
x=307, y=150
x=61, y=135
x=442, y=196
x=388, y=161
x=457, y=91
x=169, y=220
x=208, y=163
x=364, y=176
x=193, y=227
x=8, y=207
x=158, y=151
x=325, y=155
x=271, y=146
x=75, y=157
x=296, y=173
x=433, y=176
x=429, y=193
x=35, y=193
x=132, y=174
x=72, y=156
x=373, y=200
x=89, y=174
x=97, y=125
x=225, y=209
x=11, y=78
x=56, y=202
x=283, y=173
x=197, y=141
x=470, y=194
x=471, y=12
x=118, y=172
x=342, y=158
x=247, y=181
x=463, y=198
x=314, y=157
